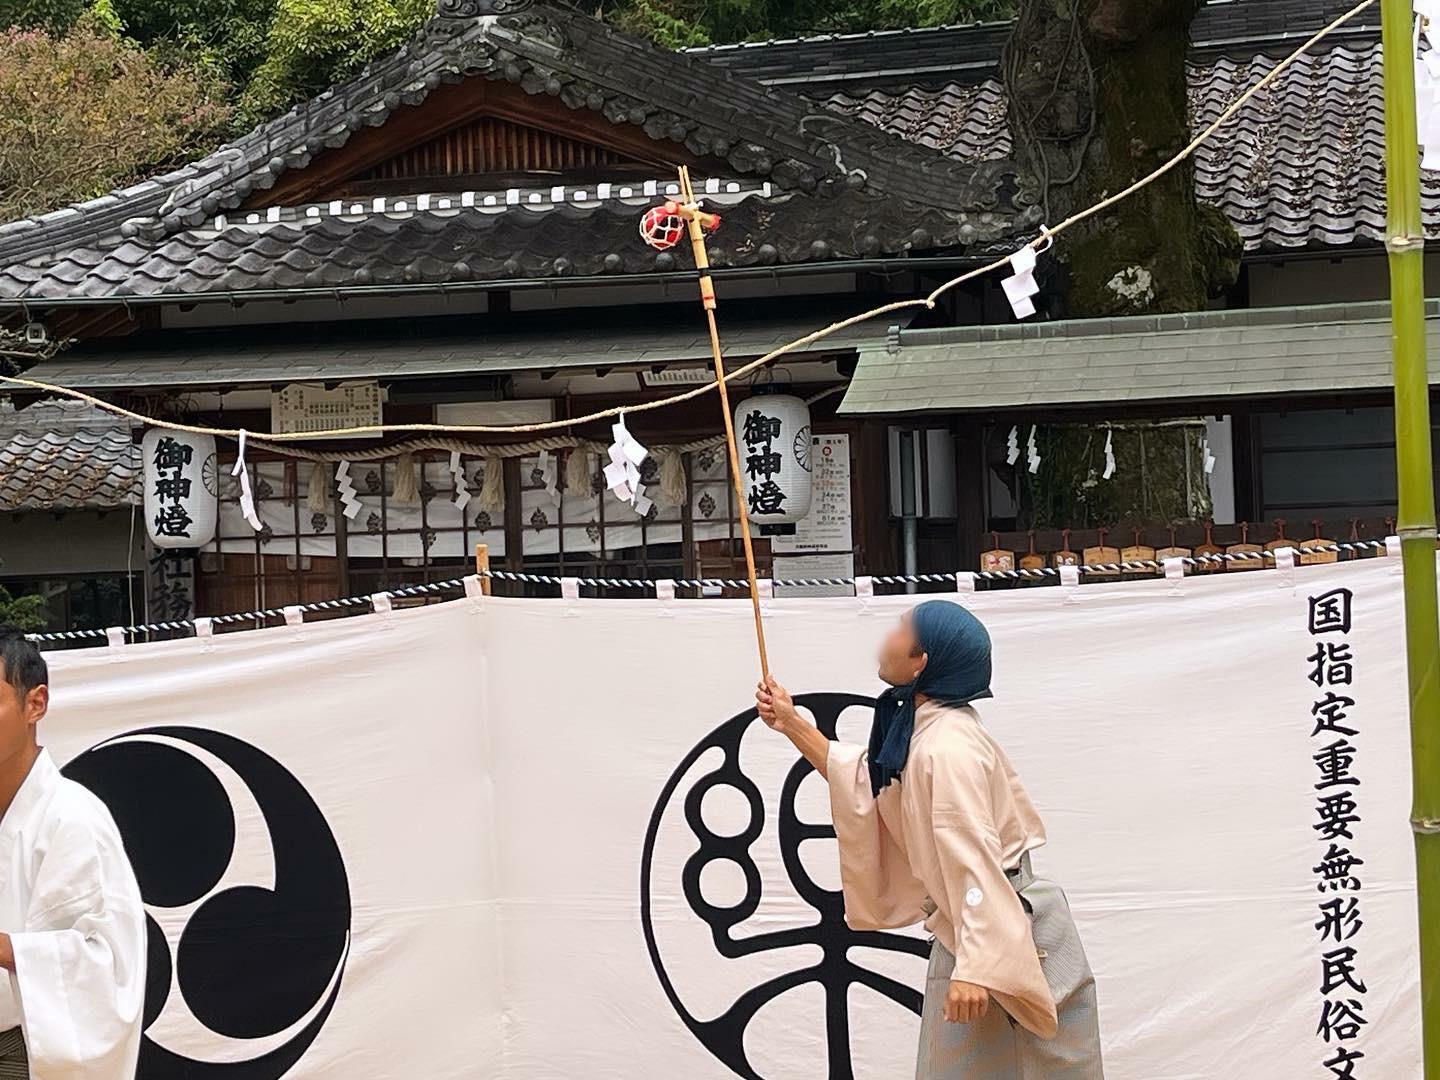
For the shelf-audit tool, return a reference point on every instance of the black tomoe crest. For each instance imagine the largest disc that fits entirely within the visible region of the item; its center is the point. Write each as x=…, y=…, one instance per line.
x=835, y=972
x=251, y=962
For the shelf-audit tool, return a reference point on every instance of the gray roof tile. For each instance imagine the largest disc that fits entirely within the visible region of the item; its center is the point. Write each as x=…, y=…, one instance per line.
x=547, y=48
x=216, y=360
x=68, y=470
x=1209, y=357
x=1302, y=164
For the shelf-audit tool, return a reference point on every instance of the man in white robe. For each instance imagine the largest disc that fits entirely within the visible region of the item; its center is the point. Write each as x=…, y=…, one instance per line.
x=72, y=924
x=934, y=824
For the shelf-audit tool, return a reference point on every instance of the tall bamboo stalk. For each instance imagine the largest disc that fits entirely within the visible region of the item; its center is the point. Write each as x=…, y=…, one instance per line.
x=1406, y=245
x=690, y=208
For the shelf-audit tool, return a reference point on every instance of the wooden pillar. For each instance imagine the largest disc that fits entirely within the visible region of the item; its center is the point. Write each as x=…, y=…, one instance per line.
x=1249, y=494
x=514, y=517
x=971, y=477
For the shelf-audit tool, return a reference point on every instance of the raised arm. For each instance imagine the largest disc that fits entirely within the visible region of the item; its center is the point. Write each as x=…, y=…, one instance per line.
x=778, y=710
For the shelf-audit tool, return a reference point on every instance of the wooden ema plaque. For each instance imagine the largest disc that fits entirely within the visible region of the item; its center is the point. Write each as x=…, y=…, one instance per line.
x=1174, y=552
x=997, y=560
x=1032, y=560
x=1245, y=548
x=1064, y=557
x=1138, y=552
x=1281, y=540
x=1103, y=555
x=1209, y=547
x=1309, y=556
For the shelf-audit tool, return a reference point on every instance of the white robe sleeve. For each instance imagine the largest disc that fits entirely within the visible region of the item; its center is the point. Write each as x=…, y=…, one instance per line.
x=881, y=891
x=80, y=961
x=994, y=941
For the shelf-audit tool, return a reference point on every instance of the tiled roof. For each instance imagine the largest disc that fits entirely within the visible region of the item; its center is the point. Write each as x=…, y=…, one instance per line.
x=478, y=350
x=144, y=239
x=68, y=470
x=899, y=59
x=456, y=244
x=1303, y=162
x=927, y=173
x=1213, y=356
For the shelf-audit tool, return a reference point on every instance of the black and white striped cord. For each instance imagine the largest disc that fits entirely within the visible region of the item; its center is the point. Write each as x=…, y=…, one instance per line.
x=360, y=604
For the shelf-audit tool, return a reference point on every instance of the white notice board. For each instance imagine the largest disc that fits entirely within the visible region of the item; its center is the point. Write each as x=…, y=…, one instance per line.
x=827, y=528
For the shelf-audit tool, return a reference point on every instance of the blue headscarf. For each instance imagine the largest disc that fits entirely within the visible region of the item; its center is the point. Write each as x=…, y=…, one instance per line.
x=957, y=672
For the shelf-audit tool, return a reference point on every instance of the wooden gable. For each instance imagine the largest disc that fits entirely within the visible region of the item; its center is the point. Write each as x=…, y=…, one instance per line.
x=481, y=133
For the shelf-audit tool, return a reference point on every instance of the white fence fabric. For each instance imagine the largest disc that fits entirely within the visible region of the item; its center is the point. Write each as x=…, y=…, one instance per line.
x=533, y=839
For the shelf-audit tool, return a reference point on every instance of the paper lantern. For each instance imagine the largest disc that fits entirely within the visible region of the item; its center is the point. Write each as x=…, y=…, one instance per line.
x=182, y=487
x=772, y=432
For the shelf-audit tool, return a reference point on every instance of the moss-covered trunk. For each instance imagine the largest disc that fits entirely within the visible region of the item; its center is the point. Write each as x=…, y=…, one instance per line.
x=1098, y=99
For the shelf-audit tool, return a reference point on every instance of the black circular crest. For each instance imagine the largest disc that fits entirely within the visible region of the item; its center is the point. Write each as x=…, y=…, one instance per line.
x=835, y=971
x=253, y=961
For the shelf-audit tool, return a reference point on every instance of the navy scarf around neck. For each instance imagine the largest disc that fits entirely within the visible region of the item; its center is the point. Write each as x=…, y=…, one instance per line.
x=957, y=672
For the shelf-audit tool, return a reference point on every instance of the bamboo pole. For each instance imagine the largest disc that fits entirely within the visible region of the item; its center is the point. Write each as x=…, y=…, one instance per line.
x=1406, y=246
x=695, y=224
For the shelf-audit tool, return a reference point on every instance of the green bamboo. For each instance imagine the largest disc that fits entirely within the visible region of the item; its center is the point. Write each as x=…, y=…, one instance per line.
x=1417, y=494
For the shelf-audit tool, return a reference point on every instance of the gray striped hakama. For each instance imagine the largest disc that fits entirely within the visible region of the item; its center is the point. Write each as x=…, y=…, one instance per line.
x=997, y=1048
x=14, y=1065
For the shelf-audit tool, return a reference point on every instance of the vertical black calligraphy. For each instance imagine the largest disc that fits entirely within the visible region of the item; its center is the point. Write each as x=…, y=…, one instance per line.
x=171, y=488
x=1335, y=736
x=762, y=464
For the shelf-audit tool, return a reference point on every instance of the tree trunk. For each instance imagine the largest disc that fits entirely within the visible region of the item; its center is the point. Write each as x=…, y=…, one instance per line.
x=1098, y=99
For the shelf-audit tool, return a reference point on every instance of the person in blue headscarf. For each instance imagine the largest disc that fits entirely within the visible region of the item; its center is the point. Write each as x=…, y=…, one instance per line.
x=934, y=825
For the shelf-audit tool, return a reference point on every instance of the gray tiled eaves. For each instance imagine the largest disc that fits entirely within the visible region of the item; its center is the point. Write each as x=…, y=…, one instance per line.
x=229, y=365
x=1207, y=357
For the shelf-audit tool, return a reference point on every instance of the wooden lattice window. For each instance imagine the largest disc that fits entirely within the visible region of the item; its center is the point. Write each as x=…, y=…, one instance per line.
x=491, y=146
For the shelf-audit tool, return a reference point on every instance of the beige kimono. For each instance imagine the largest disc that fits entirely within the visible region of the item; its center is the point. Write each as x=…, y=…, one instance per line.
x=949, y=843
x=946, y=833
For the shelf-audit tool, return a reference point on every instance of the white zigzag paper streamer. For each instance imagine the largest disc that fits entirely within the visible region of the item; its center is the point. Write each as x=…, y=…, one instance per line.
x=549, y=472
x=349, y=499
x=1032, y=451
x=1109, y=453
x=622, y=475
x=247, y=498
x=1021, y=288
x=1012, y=446
x=462, y=489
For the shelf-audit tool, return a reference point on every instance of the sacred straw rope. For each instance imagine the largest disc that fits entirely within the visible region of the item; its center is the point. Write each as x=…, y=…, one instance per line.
x=1046, y=237
x=349, y=604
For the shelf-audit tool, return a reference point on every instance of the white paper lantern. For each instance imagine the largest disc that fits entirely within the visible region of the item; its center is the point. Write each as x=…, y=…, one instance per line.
x=773, y=435
x=182, y=486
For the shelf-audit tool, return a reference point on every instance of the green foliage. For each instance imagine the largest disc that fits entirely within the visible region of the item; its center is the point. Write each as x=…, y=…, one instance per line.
x=313, y=44
x=25, y=613
x=87, y=112
x=51, y=15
